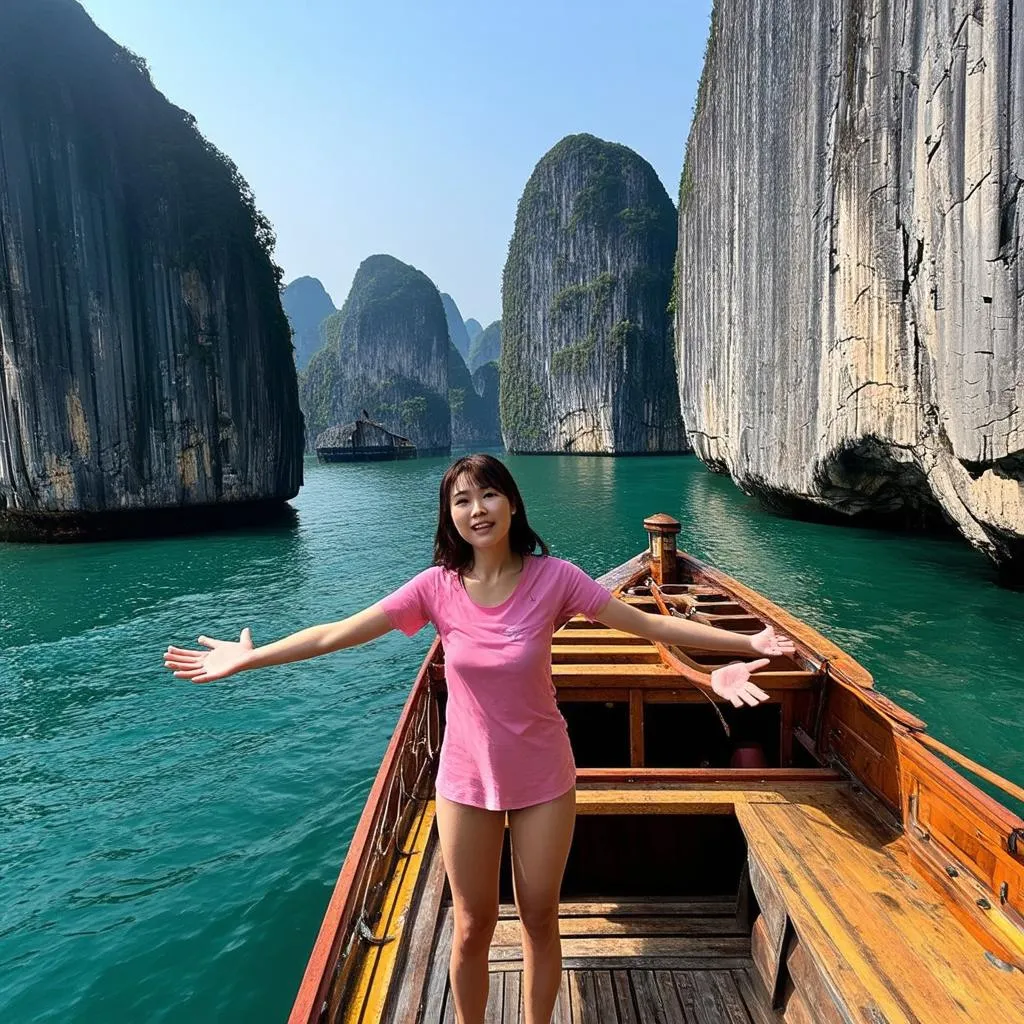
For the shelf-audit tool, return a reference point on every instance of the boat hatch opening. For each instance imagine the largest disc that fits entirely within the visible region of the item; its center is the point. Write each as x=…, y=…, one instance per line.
x=657, y=856
x=691, y=735
x=599, y=732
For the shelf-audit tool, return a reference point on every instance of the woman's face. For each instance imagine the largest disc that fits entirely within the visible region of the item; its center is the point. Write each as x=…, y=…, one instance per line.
x=482, y=515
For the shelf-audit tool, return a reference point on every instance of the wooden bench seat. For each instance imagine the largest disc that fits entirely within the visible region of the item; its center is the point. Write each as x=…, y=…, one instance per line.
x=692, y=797
x=860, y=934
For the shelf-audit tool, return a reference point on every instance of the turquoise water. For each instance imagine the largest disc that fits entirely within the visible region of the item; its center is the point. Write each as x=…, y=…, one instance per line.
x=167, y=850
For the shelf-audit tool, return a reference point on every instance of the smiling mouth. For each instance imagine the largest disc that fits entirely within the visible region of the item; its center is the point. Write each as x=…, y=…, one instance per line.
x=481, y=526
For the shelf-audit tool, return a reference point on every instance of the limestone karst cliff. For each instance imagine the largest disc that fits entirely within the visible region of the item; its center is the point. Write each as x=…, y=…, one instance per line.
x=849, y=325
x=586, y=352
x=473, y=329
x=474, y=410
x=385, y=352
x=145, y=360
x=485, y=347
x=307, y=305
x=456, y=326
x=487, y=383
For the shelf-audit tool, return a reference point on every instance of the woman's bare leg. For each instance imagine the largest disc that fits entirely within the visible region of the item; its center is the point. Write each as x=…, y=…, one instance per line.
x=471, y=841
x=541, y=836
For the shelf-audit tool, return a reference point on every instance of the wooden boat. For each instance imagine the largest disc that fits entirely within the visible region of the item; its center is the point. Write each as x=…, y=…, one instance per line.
x=362, y=441
x=855, y=876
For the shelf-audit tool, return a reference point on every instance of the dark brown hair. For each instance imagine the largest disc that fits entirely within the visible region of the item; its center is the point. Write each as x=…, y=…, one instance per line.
x=450, y=550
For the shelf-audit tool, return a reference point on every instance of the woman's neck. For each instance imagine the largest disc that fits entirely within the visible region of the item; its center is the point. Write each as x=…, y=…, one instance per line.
x=491, y=564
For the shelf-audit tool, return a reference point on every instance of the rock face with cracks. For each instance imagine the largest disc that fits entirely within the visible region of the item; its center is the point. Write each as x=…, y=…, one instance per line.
x=586, y=353
x=146, y=375
x=849, y=280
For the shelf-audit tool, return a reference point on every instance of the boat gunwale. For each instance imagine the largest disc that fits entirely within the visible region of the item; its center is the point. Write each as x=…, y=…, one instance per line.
x=843, y=670
x=339, y=917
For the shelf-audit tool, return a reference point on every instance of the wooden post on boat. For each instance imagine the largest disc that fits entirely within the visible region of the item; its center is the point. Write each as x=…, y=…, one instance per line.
x=662, y=547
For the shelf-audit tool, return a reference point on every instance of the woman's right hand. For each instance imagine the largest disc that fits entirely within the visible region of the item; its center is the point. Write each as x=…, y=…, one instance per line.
x=224, y=658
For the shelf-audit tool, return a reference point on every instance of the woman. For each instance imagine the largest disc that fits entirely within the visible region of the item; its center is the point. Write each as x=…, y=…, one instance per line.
x=495, y=603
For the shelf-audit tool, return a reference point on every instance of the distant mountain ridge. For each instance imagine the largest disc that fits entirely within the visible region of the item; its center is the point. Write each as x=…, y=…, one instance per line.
x=473, y=329
x=485, y=347
x=307, y=305
x=456, y=327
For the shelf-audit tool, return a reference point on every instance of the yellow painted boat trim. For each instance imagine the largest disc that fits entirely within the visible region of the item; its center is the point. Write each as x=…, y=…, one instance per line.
x=366, y=1005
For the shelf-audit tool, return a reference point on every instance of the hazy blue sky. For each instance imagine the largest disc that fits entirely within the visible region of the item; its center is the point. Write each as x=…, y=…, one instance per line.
x=411, y=127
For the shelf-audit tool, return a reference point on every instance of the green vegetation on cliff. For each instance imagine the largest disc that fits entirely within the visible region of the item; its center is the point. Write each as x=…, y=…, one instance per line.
x=485, y=347
x=585, y=294
x=474, y=410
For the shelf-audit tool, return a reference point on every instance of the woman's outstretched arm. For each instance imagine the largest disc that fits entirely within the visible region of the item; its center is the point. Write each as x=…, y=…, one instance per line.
x=668, y=629
x=733, y=681
x=226, y=657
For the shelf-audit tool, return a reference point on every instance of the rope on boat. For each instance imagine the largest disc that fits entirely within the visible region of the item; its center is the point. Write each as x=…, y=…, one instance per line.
x=673, y=610
x=421, y=752
x=367, y=935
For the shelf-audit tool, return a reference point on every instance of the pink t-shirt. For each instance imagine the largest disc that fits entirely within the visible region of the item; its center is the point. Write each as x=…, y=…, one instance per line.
x=505, y=743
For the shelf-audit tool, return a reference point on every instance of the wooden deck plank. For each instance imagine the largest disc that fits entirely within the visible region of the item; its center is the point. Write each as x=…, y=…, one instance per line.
x=604, y=994
x=723, y=906
x=583, y=1004
x=653, y=676
x=620, y=653
x=649, y=1005
x=598, y=635
x=414, y=965
x=437, y=980
x=615, y=674
x=755, y=999
x=625, y=1000
x=673, y=1007
x=562, y=1013
x=512, y=1003
x=375, y=971
x=622, y=963
x=704, y=946
x=690, y=798
x=495, y=998
x=853, y=901
x=687, y=995
x=710, y=1007
x=507, y=932
x=449, y=1009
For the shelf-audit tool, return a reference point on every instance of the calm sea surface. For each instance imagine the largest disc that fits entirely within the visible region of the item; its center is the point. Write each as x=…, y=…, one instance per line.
x=167, y=850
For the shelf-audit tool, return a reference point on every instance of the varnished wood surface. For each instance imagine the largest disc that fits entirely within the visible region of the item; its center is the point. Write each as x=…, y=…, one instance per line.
x=635, y=996
x=694, y=797
x=881, y=940
x=600, y=985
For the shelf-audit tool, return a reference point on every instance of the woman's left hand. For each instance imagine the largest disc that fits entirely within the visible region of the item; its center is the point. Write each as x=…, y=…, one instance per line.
x=733, y=683
x=770, y=642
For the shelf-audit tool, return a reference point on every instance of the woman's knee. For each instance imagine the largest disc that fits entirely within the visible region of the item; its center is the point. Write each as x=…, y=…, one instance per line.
x=474, y=928
x=539, y=920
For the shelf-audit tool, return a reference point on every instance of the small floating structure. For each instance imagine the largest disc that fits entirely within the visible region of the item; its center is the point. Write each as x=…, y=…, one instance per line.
x=362, y=441
x=818, y=859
